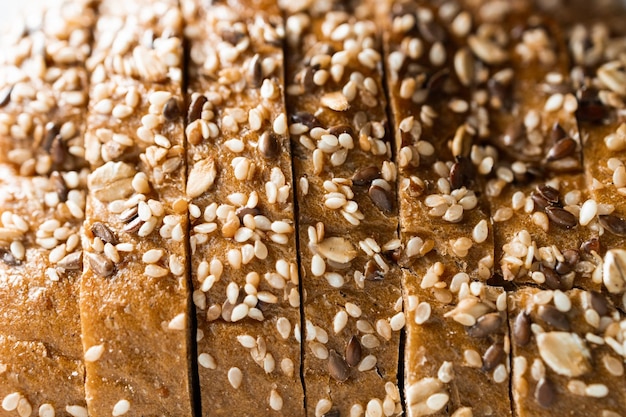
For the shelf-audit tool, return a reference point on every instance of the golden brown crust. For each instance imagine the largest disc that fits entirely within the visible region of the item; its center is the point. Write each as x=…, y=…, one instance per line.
x=25, y=392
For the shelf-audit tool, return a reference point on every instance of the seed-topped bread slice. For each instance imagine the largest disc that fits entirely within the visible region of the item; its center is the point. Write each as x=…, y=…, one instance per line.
x=457, y=344
x=43, y=89
x=40, y=274
x=135, y=297
x=532, y=156
x=347, y=210
x=243, y=238
x=596, y=53
x=438, y=122
x=568, y=355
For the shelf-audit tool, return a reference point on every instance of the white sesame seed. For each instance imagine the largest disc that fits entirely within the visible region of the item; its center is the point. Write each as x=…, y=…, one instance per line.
x=334, y=279
x=284, y=327
x=370, y=341
x=422, y=312
x=594, y=338
x=319, y=350
x=613, y=365
x=322, y=407
x=76, y=411
x=446, y=372
x=383, y=328
x=367, y=363
x=240, y=311
x=597, y=390
x=374, y=408
x=554, y=102
x=318, y=265
x=178, y=322
x=121, y=407
x=46, y=410
x=562, y=301
x=24, y=409
x=156, y=271
x=340, y=321
x=437, y=401
x=234, y=258
x=503, y=214
x=280, y=124
x=207, y=361
x=453, y=214
x=500, y=374
x=247, y=341
x=472, y=358
x=153, y=256
x=276, y=401
x=10, y=402
x=18, y=250
x=94, y=353
x=353, y=310
x=281, y=227
x=576, y=387
x=234, y=145
x=397, y=321
x=437, y=54
x=541, y=219
x=235, y=377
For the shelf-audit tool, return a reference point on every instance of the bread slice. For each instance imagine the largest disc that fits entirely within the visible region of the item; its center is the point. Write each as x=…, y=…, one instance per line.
x=457, y=344
x=534, y=150
x=43, y=90
x=437, y=124
x=36, y=379
x=347, y=209
x=599, y=115
x=567, y=353
x=135, y=297
x=243, y=238
x=40, y=272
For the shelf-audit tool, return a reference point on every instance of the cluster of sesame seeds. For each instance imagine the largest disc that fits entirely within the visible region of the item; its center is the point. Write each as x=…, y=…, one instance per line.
x=142, y=217
x=13, y=229
x=16, y=402
x=42, y=90
x=544, y=319
x=123, y=103
x=388, y=406
x=61, y=199
x=143, y=44
x=450, y=298
x=39, y=128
